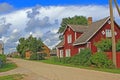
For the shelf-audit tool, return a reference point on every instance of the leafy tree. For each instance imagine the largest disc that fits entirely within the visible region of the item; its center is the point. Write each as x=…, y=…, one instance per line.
x=2, y=59
x=31, y=43
x=77, y=20
x=104, y=45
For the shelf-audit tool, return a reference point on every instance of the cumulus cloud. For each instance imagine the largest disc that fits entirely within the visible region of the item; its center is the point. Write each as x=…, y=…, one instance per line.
x=36, y=22
x=4, y=27
x=50, y=38
x=44, y=22
x=12, y=41
x=5, y=7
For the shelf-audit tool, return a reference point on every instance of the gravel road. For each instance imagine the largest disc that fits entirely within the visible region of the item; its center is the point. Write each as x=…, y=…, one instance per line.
x=41, y=71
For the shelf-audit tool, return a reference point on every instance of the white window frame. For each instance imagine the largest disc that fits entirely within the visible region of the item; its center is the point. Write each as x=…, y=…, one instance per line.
x=89, y=45
x=80, y=49
x=108, y=33
x=61, y=53
x=69, y=38
x=68, y=53
x=75, y=36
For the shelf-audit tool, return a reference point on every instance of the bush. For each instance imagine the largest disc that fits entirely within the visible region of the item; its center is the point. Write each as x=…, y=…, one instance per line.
x=82, y=58
x=2, y=59
x=118, y=46
x=65, y=60
x=33, y=56
x=101, y=60
x=36, y=56
x=104, y=45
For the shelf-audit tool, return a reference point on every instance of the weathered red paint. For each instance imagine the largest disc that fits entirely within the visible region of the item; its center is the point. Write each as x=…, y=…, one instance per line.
x=74, y=50
x=109, y=54
x=118, y=59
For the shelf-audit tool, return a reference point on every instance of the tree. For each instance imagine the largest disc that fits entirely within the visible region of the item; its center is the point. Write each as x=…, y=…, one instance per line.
x=77, y=20
x=31, y=43
x=104, y=45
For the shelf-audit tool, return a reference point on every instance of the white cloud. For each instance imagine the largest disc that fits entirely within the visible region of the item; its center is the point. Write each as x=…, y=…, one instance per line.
x=4, y=39
x=18, y=19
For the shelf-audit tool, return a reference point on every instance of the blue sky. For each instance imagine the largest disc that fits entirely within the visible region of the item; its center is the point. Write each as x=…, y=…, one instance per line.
x=42, y=18
x=30, y=3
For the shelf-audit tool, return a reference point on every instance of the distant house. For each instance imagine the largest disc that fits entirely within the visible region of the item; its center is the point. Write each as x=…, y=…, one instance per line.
x=46, y=50
x=77, y=37
x=53, y=52
x=28, y=53
x=1, y=47
x=14, y=54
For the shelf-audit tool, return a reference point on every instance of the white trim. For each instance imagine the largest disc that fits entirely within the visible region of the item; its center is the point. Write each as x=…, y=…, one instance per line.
x=79, y=43
x=75, y=36
x=67, y=53
x=93, y=34
x=61, y=53
x=89, y=46
x=57, y=52
x=79, y=49
x=69, y=38
x=67, y=27
x=108, y=33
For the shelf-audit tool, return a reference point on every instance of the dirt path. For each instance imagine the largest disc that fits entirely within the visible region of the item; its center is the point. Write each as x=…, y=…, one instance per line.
x=42, y=71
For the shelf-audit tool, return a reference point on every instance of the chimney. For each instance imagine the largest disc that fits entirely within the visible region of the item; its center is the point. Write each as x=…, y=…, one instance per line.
x=89, y=20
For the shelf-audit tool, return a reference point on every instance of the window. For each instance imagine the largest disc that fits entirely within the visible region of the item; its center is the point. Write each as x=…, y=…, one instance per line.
x=69, y=38
x=61, y=53
x=68, y=54
x=80, y=49
x=89, y=45
x=108, y=33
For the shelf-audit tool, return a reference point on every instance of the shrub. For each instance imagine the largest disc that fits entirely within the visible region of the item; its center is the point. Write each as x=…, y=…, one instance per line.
x=36, y=56
x=101, y=60
x=104, y=45
x=64, y=60
x=118, y=46
x=2, y=59
x=33, y=56
x=82, y=58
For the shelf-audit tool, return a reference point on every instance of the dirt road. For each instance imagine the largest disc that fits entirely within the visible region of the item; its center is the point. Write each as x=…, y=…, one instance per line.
x=42, y=71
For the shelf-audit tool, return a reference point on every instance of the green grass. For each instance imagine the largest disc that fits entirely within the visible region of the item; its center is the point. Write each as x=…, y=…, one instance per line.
x=51, y=61
x=12, y=77
x=8, y=66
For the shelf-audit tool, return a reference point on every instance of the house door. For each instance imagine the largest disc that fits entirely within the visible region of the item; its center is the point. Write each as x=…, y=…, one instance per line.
x=61, y=53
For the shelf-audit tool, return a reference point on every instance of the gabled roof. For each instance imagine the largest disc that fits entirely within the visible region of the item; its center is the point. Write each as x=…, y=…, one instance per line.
x=60, y=44
x=76, y=28
x=91, y=31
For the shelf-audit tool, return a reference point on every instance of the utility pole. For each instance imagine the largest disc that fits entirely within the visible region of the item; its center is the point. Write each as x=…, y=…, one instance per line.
x=113, y=34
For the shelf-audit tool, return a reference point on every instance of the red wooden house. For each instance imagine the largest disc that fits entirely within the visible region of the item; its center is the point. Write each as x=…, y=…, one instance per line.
x=77, y=37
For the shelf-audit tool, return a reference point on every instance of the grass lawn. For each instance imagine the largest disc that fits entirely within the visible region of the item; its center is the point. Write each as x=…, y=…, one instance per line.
x=8, y=66
x=51, y=61
x=12, y=77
